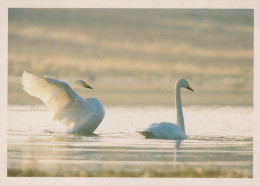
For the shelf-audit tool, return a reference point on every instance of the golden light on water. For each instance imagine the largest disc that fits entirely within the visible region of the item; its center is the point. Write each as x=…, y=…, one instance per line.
x=132, y=58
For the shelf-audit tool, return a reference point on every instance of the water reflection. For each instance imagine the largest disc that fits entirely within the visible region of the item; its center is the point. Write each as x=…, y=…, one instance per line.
x=116, y=150
x=131, y=154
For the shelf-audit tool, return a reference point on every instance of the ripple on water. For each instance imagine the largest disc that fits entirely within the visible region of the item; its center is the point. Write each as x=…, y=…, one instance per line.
x=39, y=147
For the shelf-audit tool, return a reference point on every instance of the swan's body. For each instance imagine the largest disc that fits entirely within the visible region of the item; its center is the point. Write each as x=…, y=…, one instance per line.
x=78, y=114
x=164, y=130
x=167, y=130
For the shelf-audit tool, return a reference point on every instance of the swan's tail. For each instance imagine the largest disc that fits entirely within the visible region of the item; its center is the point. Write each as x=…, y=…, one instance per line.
x=147, y=134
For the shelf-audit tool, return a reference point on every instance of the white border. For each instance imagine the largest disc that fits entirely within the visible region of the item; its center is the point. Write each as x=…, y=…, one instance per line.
x=236, y=4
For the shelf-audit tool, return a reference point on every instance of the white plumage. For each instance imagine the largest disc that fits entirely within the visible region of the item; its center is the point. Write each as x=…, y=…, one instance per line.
x=164, y=130
x=167, y=130
x=78, y=114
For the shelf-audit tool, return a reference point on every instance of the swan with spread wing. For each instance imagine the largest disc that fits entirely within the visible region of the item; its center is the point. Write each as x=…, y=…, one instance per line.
x=81, y=116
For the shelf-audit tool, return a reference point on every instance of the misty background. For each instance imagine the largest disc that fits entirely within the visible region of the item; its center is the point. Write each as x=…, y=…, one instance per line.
x=134, y=56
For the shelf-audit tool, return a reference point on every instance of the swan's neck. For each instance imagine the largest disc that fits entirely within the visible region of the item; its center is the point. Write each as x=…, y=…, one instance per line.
x=180, y=119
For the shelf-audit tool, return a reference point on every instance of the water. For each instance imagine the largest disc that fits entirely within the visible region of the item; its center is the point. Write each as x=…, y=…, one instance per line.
x=219, y=144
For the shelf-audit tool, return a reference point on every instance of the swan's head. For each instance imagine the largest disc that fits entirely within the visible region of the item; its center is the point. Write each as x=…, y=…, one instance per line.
x=81, y=83
x=183, y=83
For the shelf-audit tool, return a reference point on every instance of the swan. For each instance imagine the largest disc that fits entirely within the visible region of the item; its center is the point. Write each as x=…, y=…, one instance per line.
x=167, y=130
x=81, y=116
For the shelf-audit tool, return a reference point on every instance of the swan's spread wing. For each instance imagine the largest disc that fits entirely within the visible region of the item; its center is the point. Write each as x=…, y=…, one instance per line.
x=68, y=107
x=164, y=131
x=54, y=93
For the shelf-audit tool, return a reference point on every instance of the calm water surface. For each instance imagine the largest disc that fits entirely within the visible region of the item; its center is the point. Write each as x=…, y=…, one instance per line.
x=219, y=144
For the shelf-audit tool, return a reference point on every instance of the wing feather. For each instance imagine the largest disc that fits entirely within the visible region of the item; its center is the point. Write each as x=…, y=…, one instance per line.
x=68, y=107
x=54, y=93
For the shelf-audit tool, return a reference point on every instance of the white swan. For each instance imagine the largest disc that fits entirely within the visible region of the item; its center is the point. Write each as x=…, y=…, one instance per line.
x=166, y=130
x=81, y=116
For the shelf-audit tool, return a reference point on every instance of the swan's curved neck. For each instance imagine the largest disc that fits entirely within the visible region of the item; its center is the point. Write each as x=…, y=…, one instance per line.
x=178, y=106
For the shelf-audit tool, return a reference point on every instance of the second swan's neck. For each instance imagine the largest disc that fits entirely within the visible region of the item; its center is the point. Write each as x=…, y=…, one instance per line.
x=178, y=107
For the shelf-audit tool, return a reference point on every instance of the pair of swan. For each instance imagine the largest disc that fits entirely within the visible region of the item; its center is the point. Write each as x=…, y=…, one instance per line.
x=82, y=116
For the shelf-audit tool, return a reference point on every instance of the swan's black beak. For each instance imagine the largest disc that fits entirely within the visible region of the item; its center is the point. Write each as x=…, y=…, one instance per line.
x=86, y=85
x=188, y=87
x=89, y=87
